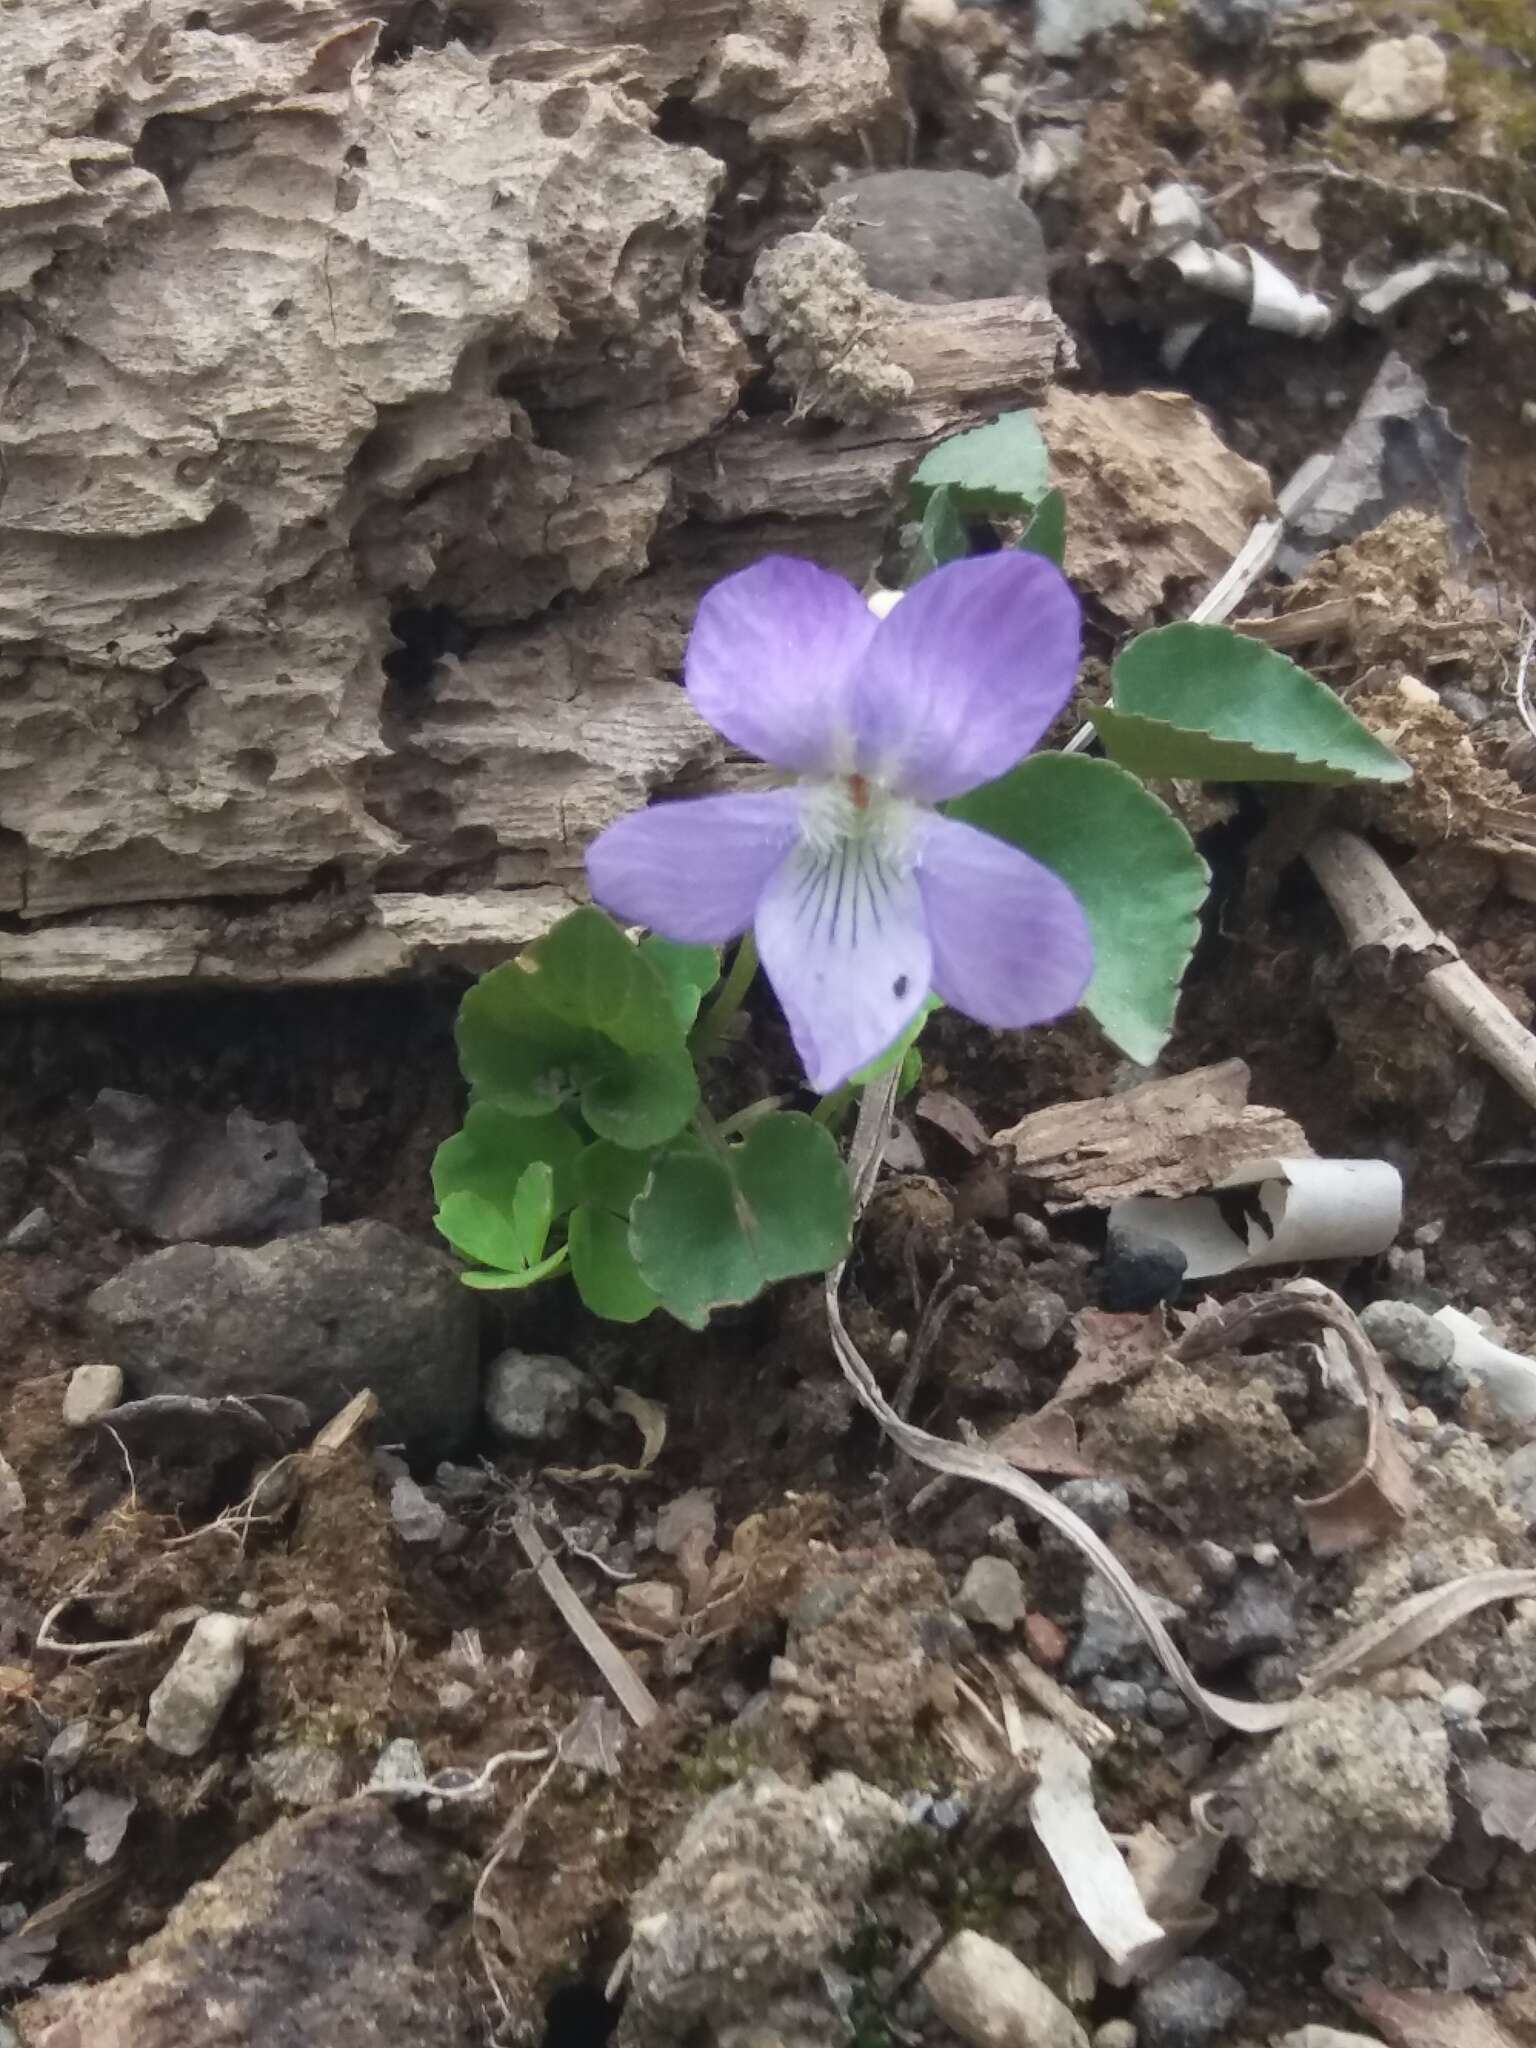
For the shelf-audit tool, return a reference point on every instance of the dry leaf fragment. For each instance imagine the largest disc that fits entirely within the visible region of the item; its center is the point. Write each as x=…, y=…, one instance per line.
x=102, y=1817
x=649, y=1417
x=1083, y=1853
x=595, y=1739
x=956, y=1119
x=1423, y=2019
x=1376, y=1500
x=1110, y=1351
x=1433, y=1927
x=1505, y=1799
x=1171, y=1877
x=1168, y=1137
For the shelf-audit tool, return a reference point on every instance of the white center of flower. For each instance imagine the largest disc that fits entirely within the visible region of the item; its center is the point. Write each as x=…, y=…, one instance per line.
x=850, y=809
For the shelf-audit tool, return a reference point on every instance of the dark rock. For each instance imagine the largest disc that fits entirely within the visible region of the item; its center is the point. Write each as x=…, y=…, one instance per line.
x=1109, y=1640
x=935, y=236
x=1119, y=1696
x=186, y=1178
x=1139, y=1271
x=1406, y=1333
x=1257, y=1618
x=1188, y=2005
x=317, y=1317
x=323, y=1929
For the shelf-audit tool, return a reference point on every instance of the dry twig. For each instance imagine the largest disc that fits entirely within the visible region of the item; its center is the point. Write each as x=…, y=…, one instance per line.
x=625, y=1683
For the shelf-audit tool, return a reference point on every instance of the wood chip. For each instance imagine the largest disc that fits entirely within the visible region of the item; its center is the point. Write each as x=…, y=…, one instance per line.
x=1172, y=1137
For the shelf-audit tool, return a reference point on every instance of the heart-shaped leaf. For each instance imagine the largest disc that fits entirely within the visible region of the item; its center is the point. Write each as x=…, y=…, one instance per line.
x=714, y=1228
x=1002, y=468
x=1131, y=865
x=689, y=972
x=581, y=1015
x=1046, y=533
x=490, y=1155
x=1215, y=706
x=941, y=537
x=603, y=1266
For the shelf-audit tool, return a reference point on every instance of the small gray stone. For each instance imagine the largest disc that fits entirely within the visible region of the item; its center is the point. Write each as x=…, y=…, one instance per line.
x=1215, y=1562
x=1519, y=1481
x=1257, y=1617
x=1190, y=2004
x=13, y=1498
x=1407, y=1334
x=1462, y=1703
x=533, y=1398
x=1034, y=1316
x=416, y=1519
x=990, y=1999
x=1167, y=1708
x=1102, y=1503
x=92, y=1391
x=1237, y=24
x=1108, y=1639
x=30, y=1234
x=400, y=1767
x=1062, y=27
x=993, y=1593
x=1119, y=1696
x=1115, y=2034
x=185, y=1706
x=934, y=236
x=319, y=1317
x=301, y=1774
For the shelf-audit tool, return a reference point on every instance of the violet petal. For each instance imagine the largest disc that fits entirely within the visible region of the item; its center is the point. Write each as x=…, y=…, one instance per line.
x=694, y=870
x=771, y=658
x=964, y=676
x=1011, y=945
x=841, y=935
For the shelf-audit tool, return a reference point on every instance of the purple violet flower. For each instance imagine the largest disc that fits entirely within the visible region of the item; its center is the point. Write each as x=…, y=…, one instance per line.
x=862, y=896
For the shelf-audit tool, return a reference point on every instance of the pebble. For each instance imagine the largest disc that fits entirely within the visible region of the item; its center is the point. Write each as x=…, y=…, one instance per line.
x=1035, y=1315
x=1406, y=1333
x=13, y=1498
x=993, y=1593
x=1257, y=1617
x=990, y=1999
x=1101, y=1503
x=1400, y=78
x=1119, y=1696
x=301, y=1774
x=30, y=1234
x=650, y=1604
x=93, y=1390
x=533, y=1398
x=1266, y=1555
x=400, y=1767
x=1047, y=1641
x=1062, y=27
x=1115, y=2034
x=1139, y=1271
x=1190, y=2004
x=1032, y=1234
x=1215, y=1562
x=1462, y=1703
x=1167, y=1708
x=185, y=1706
x=1108, y=1637
x=416, y=1519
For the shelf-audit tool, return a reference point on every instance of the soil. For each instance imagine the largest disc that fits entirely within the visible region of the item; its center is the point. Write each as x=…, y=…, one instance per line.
x=361, y=1638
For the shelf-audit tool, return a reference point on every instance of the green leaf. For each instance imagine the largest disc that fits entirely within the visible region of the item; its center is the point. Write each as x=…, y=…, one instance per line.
x=1131, y=865
x=603, y=1266
x=689, y=973
x=528, y=1277
x=479, y=1230
x=1001, y=468
x=490, y=1155
x=941, y=537
x=533, y=1210
x=610, y=1176
x=581, y=1015
x=1046, y=533
x=1213, y=705
x=710, y=1230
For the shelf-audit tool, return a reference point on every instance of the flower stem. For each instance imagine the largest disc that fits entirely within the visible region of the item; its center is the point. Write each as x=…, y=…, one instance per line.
x=738, y=1125
x=832, y=1108
x=709, y=1034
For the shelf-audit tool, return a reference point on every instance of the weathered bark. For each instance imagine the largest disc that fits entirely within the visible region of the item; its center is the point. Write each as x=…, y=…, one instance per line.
x=303, y=335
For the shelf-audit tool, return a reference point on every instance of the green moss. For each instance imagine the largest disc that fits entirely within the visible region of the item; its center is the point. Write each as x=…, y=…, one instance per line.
x=1509, y=23
x=724, y=1756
